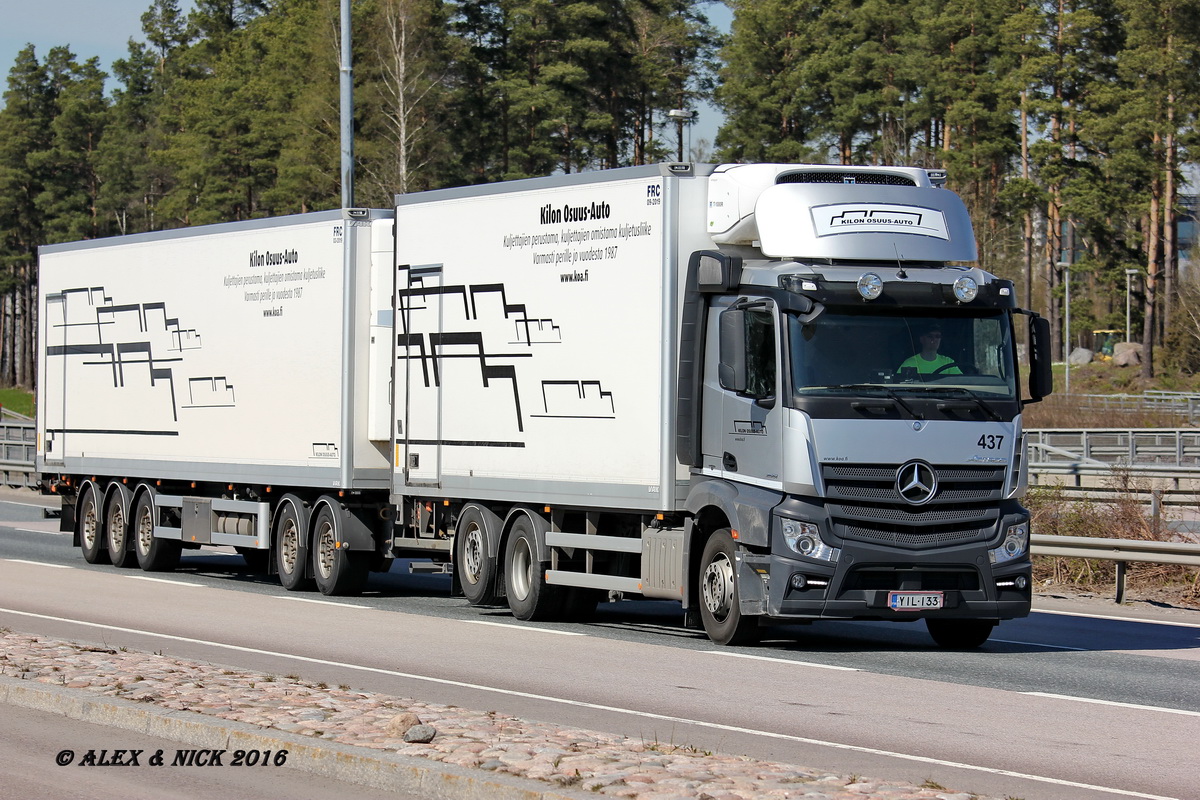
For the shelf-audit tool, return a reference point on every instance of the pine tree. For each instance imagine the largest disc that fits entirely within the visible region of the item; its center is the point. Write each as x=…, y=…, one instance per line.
x=25, y=134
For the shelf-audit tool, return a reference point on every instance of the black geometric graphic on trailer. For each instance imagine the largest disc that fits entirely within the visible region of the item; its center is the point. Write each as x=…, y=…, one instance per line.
x=429, y=349
x=90, y=314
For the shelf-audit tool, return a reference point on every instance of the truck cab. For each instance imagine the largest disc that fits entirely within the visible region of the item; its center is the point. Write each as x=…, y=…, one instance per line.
x=853, y=405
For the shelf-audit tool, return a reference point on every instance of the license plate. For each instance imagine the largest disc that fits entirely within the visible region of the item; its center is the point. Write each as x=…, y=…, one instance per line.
x=914, y=601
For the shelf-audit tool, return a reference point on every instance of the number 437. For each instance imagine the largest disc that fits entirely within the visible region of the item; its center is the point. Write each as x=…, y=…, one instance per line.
x=990, y=442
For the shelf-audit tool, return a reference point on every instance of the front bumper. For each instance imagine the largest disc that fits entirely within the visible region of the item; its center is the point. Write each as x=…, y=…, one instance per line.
x=858, y=585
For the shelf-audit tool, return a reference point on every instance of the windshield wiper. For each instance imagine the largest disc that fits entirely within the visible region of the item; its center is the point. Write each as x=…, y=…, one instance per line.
x=875, y=387
x=979, y=401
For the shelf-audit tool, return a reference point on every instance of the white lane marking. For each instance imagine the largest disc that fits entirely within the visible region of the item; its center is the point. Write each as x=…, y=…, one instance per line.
x=613, y=709
x=781, y=660
x=521, y=627
x=1163, y=709
x=1118, y=619
x=39, y=563
x=318, y=602
x=51, y=533
x=164, y=580
x=1040, y=644
x=28, y=505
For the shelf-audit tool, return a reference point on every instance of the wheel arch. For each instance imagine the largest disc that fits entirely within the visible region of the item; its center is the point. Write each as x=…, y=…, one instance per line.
x=494, y=528
x=117, y=492
x=352, y=532
x=716, y=504
x=540, y=526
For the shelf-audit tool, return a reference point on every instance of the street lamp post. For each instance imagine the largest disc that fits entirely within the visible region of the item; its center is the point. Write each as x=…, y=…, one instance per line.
x=1066, y=268
x=681, y=116
x=1129, y=273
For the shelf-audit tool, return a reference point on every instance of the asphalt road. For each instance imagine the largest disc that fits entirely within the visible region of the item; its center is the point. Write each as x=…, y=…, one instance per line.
x=1056, y=706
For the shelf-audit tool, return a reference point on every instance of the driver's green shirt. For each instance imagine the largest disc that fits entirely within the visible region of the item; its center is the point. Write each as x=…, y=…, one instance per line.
x=925, y=367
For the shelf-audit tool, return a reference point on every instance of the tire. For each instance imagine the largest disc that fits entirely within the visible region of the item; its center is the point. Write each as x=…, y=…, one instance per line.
x=257, y=560
x=91, y=538
x=529, y=596
x=960, y=634
x=153, y=555
x=338, y=570
x=476, y=570
x=116, y=530
x=720, y=609
x=291, y=547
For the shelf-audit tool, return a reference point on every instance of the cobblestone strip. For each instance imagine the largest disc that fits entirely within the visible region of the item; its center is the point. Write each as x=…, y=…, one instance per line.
x=604, y=764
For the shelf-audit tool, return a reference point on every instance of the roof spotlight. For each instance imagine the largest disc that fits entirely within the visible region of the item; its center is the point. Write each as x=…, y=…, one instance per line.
x=870, y=286
x=966, y=289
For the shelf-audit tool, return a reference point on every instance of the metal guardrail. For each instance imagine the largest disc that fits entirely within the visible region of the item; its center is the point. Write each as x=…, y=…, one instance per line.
x=1159, y=447
x=18, y=443
x=1153, y=401
x=1122, y=551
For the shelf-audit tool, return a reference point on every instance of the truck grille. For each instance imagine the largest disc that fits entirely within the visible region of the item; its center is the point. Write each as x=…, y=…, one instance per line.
x=864, y=505
x=860, y=178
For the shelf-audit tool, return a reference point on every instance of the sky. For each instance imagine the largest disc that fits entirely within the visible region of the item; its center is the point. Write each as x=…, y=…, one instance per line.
x=103, y=28
x=100, y=28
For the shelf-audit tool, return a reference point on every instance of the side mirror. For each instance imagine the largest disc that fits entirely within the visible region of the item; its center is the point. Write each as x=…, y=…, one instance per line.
x=732, y=369
x=1041, y=379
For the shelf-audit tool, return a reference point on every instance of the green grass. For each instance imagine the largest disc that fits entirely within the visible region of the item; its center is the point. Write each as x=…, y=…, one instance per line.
x=17, y=400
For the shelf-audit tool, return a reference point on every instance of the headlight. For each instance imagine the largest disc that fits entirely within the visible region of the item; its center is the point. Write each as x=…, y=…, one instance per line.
x=805, y=540
x=1014, y=546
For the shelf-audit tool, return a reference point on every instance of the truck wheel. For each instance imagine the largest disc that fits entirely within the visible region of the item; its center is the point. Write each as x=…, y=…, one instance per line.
x=338, y=570
x=720, y=609
x=291, y=551
x=153, y=555
x=529, y=596
x=476, y=569
x=91, y=543
x=116, y=532
x=960, y=634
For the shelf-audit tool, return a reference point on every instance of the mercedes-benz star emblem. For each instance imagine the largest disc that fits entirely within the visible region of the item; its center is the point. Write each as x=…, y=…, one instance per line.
x=916, y=482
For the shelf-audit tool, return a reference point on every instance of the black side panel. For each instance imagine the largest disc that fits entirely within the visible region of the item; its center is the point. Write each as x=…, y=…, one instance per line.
x=691, y=368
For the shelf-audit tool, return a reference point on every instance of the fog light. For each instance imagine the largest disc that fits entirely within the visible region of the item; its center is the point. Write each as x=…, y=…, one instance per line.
x=799, y=581
x=1021, y=582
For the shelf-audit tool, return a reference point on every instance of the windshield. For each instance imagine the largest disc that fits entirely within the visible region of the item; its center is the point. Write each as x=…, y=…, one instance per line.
x=837, y=353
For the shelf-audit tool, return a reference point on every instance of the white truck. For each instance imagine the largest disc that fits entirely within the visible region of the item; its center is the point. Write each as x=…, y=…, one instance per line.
x=716, y=385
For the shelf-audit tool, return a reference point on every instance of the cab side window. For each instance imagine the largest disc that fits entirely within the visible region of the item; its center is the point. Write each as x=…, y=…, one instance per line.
x=760, y=354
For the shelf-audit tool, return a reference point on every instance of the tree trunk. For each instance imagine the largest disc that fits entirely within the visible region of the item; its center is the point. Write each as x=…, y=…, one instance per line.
x=1152, y=276
x=1170, y=267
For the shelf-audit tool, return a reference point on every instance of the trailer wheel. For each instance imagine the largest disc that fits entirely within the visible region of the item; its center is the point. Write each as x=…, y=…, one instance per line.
x=720, y=609
x=91, y=543
x=960, y=634
x=476, y=569
x=529, y=596
x=338, y=570
x=291, y=549
x=116, y=531
x=153, y=555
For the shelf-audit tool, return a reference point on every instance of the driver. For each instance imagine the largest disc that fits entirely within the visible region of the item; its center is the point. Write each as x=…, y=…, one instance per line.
x=929, y=361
